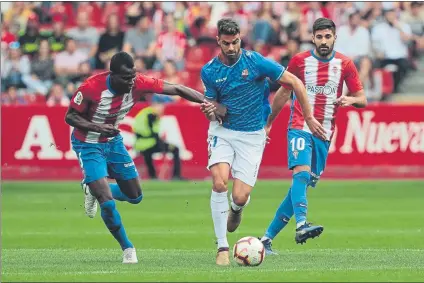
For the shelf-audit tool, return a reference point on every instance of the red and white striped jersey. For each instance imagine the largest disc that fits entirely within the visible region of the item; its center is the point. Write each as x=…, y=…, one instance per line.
x=323, y=80
x=95, y=100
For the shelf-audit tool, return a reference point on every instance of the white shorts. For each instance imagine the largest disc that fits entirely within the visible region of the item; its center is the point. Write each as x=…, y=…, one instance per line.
x=241, y=150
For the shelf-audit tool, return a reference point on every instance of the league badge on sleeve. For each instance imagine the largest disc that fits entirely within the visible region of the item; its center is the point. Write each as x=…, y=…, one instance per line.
x=78, y=98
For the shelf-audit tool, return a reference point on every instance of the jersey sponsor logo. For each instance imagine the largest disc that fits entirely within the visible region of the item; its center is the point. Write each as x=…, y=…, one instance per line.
x=245, y=73
x=221, y=80
x=78, y=98
x=328, y=89
x=128, y=164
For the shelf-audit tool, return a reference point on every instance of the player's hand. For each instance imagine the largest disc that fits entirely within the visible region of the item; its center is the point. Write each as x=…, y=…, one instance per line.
x=108, y=130
x=207, y=108
x=316, y=128
x=212, y=111
x=344, y=101
x=267, y=131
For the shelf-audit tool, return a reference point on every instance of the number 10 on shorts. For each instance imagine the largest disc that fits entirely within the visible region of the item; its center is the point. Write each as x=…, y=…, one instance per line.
x=297, y=144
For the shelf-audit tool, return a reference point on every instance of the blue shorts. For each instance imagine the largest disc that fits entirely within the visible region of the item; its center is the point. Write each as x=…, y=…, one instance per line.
x=99, y=160
x=305, y=149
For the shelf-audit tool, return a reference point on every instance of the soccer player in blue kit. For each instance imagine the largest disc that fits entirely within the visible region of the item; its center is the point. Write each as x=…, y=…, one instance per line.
x=237, y=79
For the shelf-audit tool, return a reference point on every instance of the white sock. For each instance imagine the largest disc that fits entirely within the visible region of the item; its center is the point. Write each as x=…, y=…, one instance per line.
x=219, y=208
x=300, y=224
x=236, y=207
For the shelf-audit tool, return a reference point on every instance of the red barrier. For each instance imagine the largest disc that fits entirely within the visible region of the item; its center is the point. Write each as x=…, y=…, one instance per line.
x=380, y=141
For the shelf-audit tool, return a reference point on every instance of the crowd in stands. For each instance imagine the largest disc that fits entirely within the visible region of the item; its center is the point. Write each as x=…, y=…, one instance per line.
x=49, y=48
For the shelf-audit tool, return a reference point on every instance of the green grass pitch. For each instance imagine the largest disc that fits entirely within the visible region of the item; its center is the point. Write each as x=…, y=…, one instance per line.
x=374, y=231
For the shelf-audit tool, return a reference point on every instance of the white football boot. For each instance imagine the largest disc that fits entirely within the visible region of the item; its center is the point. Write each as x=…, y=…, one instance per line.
x=90, y=202
x=130, y=256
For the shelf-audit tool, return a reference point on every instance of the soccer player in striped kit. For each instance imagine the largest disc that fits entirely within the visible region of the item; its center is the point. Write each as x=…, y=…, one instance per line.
x=96, y=109
x=323, y=71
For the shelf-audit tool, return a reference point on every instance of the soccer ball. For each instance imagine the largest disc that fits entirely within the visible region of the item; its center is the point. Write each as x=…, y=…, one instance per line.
x=249, y=251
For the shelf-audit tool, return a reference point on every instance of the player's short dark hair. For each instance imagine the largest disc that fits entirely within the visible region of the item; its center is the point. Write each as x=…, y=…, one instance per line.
x=228, y=27
x=324, y=23
x=121, y=59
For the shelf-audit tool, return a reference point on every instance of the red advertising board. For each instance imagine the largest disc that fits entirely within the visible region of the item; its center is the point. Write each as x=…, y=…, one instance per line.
x=380, y=141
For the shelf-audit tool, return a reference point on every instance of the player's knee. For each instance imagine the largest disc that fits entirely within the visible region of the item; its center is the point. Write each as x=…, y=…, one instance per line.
x=302, y=176
x=136, y=200
x=240, y=199
x=220, y=186
x=300, y=168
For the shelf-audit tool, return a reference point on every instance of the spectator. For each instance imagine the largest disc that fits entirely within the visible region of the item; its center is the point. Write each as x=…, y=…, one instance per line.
x=15, y=67
x=134, y=13
x=18, y=13
x=171, y=45
x=57, y=96
x=42, y=71
x=140, y=41
x=390, y=40
x=6, y=36
x=30, y=41
x=354, y=41
x=415, y=19
x=109, y=9
x=290, y=20
x=263, y=28
x=67, y=62
x=86, y=37
x=11, y=97
x=58, y=38
x=110, y=42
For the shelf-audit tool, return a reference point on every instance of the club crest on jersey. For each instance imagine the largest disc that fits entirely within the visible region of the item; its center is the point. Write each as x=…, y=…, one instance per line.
x=335, y=69
x=78, y=98
x=245, y=73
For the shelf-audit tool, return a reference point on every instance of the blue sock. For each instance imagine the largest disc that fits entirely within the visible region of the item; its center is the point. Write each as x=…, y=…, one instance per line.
x=113, y=222
x=281, y=218
x=119, y=195
x=298, y=195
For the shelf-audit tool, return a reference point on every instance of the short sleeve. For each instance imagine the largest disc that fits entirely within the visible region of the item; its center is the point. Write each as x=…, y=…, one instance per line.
x=351, y=77
x=292, y=67
x=148, y=84
x=268, y=68
x=80, y=101
x=209, y=88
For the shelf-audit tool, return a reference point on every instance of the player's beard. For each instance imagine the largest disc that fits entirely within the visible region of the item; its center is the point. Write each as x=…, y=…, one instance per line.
x=324, y=52
x=231, y=59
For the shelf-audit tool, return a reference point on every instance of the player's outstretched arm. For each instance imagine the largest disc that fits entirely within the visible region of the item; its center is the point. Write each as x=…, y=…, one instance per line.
x=300, y=91
x=183, y=91
x=74, y=119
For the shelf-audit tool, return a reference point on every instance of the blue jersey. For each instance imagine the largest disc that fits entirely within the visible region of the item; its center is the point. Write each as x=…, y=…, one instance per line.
x=243, y=88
